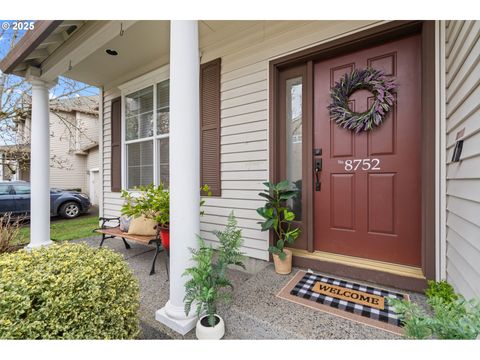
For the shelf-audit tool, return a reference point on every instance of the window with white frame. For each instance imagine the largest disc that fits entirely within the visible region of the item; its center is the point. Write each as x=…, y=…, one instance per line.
x=146, y=135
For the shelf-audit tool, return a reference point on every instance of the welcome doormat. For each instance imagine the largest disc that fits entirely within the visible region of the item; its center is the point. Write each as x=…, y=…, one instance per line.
x=361, y=303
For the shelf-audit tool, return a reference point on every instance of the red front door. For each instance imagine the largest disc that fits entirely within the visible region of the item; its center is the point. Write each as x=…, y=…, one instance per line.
x=369, y=203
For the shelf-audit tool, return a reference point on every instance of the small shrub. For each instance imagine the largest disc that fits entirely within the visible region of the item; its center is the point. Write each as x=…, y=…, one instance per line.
x=9, y=233
x=67, y=291
x=452, y=317
x=415, y=322
x=441, y=289
x=458, y=319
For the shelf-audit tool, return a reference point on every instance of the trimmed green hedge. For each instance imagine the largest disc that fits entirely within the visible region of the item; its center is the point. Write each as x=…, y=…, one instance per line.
x=68, y=291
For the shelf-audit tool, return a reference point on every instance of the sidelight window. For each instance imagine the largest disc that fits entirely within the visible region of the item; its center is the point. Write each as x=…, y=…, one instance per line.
x=293, y=126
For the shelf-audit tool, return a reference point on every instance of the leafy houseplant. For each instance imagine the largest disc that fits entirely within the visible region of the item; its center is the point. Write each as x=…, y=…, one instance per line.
x=209, y=277
x=153, y=202
x=452, y=317
x=279, y=218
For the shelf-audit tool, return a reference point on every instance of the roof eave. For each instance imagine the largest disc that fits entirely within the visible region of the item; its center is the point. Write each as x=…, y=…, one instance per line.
x=27, y=44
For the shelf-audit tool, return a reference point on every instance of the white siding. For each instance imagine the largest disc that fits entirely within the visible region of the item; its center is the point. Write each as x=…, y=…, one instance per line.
x=111, y=200
x=244, y=120
x=462, y=51
x=93, y=159
x=87, y=130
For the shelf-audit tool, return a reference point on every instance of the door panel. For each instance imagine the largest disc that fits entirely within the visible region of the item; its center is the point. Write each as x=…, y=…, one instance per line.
x=342, y=187
x=381, y=200
x=373, y=208
x=22, y=198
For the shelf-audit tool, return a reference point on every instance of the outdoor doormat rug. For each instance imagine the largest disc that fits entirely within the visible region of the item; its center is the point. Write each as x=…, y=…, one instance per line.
x=362, y=303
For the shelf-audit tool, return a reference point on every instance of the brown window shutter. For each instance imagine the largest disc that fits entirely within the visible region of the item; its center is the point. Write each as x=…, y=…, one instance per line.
x=210, y=125
x=116, y=154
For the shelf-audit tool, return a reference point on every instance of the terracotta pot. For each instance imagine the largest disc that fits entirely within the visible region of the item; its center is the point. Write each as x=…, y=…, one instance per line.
x=283, y=267
x=206, y=332
x=165, y=235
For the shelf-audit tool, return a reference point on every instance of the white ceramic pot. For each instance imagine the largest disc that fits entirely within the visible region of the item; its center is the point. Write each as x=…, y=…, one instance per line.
x=207, y=332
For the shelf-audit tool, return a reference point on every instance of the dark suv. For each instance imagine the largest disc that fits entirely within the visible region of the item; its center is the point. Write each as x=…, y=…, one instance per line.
x=15, y=198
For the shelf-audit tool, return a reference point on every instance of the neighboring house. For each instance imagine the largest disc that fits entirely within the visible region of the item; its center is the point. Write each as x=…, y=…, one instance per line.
x=74, y=153
x=14, y=161
x=412, y=215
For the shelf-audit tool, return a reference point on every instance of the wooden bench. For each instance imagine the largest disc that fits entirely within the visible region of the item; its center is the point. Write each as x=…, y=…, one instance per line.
x=110, y=232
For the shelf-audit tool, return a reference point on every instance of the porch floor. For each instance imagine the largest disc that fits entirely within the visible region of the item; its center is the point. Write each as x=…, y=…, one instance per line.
x=255, y=313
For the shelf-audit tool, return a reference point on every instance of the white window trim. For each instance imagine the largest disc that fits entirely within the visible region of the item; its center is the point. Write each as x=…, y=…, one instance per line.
x=150, y=79
x=158, y=75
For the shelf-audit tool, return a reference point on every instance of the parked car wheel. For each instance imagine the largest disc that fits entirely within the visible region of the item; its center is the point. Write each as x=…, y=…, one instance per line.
x=69, y=210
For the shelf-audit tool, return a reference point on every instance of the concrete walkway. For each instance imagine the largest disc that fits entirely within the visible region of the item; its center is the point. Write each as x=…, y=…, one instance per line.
x=256, y=313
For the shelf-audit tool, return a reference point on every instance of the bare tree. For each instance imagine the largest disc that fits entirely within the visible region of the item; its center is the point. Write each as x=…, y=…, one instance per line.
x=15, y=111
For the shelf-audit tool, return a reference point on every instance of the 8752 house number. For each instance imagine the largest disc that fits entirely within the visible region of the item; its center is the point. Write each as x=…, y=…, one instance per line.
x=360, y=164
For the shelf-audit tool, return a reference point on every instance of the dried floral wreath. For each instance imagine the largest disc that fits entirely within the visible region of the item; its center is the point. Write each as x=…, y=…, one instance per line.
x=375, y=81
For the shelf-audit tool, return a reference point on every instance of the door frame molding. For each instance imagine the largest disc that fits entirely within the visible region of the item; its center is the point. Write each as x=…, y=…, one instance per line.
x=350, y=43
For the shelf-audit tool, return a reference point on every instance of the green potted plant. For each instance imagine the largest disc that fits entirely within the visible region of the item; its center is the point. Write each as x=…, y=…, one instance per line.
x=152, y=202
x=208, y=279
x=279, y=218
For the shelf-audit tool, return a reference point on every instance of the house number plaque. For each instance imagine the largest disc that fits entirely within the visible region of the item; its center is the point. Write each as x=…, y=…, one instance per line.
x=360, y=164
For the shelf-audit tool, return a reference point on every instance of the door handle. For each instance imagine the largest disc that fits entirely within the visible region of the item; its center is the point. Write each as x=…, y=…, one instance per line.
x=318, y=168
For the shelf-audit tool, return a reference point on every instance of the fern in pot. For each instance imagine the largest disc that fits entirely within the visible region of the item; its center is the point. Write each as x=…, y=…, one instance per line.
x=279, y=218
x=209, y=284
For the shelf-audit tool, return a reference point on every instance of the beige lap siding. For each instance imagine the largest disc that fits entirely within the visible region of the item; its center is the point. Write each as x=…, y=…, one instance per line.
x=93, y=159
x=462, y=51
x=67, y=170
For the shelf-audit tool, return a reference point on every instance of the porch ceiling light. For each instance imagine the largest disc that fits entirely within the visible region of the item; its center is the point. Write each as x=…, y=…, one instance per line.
x=111, y=52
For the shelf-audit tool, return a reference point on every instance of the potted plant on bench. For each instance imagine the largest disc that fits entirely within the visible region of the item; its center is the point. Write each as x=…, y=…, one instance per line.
x=151, y=202
x=279, y=218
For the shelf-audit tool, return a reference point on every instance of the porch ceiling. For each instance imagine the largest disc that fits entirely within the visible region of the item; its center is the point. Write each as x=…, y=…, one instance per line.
x=143, y=47
x=142, y=43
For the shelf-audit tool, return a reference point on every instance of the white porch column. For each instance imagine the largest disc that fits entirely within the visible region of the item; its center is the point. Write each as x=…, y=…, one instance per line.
x=40, y=165
x=184, y=168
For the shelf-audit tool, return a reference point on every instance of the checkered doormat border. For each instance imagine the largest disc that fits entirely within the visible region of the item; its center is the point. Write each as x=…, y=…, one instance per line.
x=304, y=287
